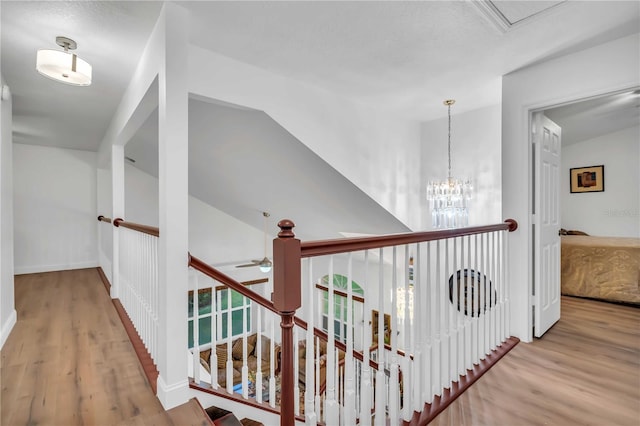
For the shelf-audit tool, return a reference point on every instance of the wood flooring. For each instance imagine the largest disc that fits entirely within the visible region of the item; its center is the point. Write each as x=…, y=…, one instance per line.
x=584, y=371
x=68, y=361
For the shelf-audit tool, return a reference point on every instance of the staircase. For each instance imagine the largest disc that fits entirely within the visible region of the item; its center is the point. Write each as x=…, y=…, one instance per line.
x=223, y=417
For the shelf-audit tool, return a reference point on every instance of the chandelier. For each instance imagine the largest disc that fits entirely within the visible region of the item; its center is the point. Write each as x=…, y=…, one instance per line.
x=449, y=197
x=404, y=298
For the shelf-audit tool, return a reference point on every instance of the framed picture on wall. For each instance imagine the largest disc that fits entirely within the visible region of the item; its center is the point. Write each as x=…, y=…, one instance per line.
x=587, y=179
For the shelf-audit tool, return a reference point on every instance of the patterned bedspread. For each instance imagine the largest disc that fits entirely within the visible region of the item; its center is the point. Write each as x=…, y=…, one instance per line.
x=605, y=268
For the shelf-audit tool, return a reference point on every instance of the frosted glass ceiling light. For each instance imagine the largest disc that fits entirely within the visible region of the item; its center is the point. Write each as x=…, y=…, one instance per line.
x=64, y=66
x=449, y=197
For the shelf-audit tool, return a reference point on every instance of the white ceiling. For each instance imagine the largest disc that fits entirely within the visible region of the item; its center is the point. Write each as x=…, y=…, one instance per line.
x=406, y=56
x=592, y=118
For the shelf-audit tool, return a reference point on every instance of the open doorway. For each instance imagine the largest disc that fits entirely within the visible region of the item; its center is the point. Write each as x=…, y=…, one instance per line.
x=600, y=136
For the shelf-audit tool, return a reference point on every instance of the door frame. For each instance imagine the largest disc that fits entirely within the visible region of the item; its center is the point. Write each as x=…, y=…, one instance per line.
x=530, y=110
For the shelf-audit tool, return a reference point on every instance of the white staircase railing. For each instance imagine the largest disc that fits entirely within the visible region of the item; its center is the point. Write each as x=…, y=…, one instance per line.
x=385, y=326
x=138, y=279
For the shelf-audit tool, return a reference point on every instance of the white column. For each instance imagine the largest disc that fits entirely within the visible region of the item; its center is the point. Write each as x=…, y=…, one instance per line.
x=117, y=211
x=173, y=208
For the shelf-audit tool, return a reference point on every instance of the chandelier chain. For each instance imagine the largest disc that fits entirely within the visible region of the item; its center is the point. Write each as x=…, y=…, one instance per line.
x=449, y=141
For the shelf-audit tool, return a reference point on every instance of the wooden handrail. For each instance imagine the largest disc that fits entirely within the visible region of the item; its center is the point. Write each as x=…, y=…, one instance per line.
x=213, y=273
x=344, y=245
x=229, y=282
x=104, y=219
x=145, y=229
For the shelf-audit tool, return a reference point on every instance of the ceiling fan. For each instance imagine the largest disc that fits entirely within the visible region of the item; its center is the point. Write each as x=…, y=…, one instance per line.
x=264, y=264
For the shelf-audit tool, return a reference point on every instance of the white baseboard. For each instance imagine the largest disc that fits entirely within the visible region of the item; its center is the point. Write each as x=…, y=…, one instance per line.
x=7, y=327
x=172, y=395
x=19, y=270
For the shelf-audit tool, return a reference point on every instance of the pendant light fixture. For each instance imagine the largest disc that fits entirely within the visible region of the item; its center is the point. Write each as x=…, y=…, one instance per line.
x=265, y=263
x=449, y=197
x=64, y=67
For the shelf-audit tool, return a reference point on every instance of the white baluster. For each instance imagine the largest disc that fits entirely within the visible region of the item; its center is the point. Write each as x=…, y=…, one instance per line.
x=425, y=270
x=331, y=404
x=394, y=388
x=365, y=388
x=258, y=352
x=317, y=370
x=296, y=366
x=381, y=400
x=507, y=286
x=229, y=340
x=245, y=369
x=493, y=290
x=471, y=310
x=461, y=316
x=349, y=401
x=272, y=356
x=196, y=331
x=310, y=383
x=418, y=331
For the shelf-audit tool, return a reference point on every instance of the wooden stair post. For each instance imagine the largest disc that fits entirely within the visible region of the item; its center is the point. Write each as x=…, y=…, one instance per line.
x=286, y=299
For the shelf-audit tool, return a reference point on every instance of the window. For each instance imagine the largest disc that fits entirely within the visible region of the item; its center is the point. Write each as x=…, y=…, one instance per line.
x=339, y=303
x=227, y=303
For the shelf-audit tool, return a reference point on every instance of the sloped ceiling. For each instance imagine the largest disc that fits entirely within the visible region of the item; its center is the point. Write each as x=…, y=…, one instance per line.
x=241, y=158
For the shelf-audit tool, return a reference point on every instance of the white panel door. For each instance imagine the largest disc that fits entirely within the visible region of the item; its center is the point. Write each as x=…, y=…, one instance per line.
x=546, y=249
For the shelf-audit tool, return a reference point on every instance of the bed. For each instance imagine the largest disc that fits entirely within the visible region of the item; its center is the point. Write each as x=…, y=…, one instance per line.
x=606, y=268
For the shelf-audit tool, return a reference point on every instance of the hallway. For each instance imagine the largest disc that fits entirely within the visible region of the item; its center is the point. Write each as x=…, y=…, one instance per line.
x=69, y=361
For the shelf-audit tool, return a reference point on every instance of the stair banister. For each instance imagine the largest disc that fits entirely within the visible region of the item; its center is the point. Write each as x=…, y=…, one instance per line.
x=287, y=289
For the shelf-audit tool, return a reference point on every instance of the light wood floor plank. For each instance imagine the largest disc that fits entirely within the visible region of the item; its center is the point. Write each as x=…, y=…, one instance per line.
x=68, y=360
x=584, y=371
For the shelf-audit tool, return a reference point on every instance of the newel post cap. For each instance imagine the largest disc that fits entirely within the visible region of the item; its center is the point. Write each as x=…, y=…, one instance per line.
x=286, y=228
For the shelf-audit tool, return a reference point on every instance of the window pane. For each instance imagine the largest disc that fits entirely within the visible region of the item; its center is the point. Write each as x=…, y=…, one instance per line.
x=223, y=300
x=223, y=321
x=190, y=334
x=190, y=304
x=236, y=325
x=237, y=299
x=204, y=330
x=336, y=329
x=204, y=302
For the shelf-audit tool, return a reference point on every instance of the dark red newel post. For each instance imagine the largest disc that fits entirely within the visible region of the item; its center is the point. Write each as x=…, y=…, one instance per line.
x=286, y=299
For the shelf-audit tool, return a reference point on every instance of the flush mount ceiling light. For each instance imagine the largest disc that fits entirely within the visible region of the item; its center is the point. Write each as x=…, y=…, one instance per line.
x=449, y=197
x=64, y=66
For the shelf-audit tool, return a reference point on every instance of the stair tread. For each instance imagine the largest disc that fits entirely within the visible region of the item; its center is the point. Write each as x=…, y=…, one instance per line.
x=227, y=420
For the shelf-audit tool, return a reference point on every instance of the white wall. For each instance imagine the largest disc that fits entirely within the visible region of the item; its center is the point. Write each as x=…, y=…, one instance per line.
x=383, y=150
x=214, y=236
x=475, y=154
x=54, y=209
x=616, y=211
x=7, y=306
x=606, y=68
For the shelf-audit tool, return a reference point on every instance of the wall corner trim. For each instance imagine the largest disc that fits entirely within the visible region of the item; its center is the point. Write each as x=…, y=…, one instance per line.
x=7, y=327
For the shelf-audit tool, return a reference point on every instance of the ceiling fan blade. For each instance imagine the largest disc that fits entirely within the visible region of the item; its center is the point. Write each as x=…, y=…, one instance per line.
x=246, y=265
